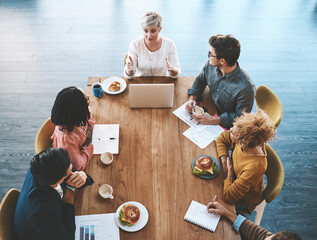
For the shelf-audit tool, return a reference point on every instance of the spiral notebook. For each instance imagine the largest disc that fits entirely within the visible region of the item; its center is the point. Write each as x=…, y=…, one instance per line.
x=197, y=214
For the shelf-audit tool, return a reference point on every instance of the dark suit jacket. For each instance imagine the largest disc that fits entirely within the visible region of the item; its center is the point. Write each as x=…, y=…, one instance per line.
x=41, y=213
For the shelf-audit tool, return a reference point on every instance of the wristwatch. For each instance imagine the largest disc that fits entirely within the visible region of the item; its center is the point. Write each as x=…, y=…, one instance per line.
x=70, y=187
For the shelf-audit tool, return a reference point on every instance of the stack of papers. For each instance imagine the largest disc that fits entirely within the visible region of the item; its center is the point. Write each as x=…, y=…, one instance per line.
x=201, y=135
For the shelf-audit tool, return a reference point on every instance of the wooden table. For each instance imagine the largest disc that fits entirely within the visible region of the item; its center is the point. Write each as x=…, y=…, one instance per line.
x=153, y=166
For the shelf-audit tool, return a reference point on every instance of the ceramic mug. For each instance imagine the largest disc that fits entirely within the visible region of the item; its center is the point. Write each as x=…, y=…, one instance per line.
x=97, y=89
x=106, y=158
x=106, y=191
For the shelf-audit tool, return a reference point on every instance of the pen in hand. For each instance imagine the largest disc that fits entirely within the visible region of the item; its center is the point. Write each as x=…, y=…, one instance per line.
x=211, y=205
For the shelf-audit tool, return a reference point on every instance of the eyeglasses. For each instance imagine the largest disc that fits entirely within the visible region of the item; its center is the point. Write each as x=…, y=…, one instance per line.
x=210, y=55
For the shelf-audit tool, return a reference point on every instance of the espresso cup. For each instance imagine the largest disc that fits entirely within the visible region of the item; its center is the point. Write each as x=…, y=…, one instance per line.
x=97, y=89
x=106, y=191
x=106, y=158
x=198, y=110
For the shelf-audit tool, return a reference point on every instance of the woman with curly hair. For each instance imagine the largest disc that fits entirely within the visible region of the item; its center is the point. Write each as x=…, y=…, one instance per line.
x=73, y=126
x=243, y=184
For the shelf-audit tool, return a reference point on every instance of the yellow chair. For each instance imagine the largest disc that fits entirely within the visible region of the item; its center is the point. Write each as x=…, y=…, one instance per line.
x=43, y=137
x=7, y=210
x=269, y=102
x=125, y=60
x=275, y=178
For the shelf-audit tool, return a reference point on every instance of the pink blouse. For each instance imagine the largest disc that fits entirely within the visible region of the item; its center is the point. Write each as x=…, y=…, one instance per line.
x=73, y=142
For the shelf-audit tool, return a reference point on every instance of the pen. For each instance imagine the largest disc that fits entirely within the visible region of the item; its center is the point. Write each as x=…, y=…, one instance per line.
x=106, y=139
x=212, y=203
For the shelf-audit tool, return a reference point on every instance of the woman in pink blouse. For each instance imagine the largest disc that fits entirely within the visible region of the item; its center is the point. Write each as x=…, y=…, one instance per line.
x=73, y=125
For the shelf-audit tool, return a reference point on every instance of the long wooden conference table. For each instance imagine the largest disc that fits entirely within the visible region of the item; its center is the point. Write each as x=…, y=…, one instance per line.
x=153, y=167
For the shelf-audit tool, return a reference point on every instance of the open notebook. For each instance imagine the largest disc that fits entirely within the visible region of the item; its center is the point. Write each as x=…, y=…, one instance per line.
x=197, y=214
x=105, y=138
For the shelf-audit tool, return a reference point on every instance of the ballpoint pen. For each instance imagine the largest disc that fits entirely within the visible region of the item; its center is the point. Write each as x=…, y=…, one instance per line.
x=106, y=139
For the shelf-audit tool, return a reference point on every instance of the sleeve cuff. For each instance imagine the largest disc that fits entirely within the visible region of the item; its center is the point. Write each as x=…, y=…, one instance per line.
x=178, y=73
x=195, y=93
x=237, y=223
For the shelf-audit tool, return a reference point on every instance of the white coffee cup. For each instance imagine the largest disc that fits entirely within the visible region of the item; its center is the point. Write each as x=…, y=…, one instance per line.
x=106, y=158
x=106, y=191
x=198, y=110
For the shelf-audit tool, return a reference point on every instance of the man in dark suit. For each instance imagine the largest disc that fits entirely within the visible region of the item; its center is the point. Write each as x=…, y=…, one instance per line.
x=45, y=207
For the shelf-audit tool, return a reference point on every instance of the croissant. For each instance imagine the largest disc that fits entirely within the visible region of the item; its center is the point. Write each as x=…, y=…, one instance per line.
x=114, y=86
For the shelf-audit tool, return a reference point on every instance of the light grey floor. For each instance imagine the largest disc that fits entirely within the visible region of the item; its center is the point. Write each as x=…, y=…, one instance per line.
x=46, y=45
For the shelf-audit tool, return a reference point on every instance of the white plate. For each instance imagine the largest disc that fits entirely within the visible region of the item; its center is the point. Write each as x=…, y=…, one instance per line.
x=106, y=82
x=144, y=217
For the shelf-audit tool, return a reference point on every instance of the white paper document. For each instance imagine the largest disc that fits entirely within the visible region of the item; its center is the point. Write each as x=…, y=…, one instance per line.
x=105, y=138
x=182, y=113
x=96, y=227
x=201, y=135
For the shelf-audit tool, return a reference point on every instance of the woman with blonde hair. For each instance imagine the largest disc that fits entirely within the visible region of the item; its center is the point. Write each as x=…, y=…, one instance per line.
x=243, y=184
x=152, y=55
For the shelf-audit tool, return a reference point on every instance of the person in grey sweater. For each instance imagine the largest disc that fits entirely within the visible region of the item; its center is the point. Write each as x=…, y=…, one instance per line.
x=232, y=89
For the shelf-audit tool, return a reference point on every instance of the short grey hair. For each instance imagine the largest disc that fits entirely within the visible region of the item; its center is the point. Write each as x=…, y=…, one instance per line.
x=151, y=18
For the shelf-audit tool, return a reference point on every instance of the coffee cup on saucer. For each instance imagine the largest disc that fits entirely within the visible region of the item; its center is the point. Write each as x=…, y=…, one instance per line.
x=106, y=191
x=106, y=158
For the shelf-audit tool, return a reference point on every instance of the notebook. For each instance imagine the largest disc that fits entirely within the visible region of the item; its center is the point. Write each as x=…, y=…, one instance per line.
x=197, y=214
x=153, y=95
x=105, y=138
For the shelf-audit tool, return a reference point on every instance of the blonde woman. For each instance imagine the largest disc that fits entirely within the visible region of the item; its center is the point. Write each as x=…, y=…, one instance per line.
x=152, y=55
x=243, y=184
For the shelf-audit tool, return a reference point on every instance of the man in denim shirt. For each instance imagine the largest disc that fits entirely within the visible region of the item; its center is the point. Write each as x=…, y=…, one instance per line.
x=232, y=89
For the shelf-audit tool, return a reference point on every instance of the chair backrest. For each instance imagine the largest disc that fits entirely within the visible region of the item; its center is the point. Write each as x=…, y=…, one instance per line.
x=274, y=174
x=125, y=60
x=269, y=102
x=43, y=137
x=7, y=210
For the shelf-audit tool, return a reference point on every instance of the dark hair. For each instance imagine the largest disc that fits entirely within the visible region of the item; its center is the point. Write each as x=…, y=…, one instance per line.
x=50, y=166
x=226, y=47
x=284, y=235
x=70, y=109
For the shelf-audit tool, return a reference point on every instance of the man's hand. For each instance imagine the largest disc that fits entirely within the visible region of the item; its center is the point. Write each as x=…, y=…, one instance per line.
x=206, y=119
x=77, y=179
x=230, y=168
x=69, y=196
x=217, y=208
x=190, y=105
x=129, y=69
x=171, y=69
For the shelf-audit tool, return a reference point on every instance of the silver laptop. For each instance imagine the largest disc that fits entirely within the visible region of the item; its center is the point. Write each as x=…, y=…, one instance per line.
x=152, y=95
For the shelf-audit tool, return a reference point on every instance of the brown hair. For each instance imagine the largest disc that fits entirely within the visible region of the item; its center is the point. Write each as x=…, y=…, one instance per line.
x=254, y=129
x=227, y=47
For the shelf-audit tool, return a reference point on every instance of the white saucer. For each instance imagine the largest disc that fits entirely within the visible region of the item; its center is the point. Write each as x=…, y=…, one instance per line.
x=144, y=217
x=106, y=82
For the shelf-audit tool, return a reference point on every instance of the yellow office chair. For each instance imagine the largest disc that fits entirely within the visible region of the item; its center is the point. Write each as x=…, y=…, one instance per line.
x=125, y=59
x=43, y=137
x=269, y=102
x=275, y=178
x=7, y=210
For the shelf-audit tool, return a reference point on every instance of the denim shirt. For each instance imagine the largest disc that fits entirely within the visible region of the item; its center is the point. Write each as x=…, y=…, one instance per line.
x=231, y=93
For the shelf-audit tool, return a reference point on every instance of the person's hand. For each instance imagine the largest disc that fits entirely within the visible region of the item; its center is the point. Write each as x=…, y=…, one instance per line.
x=206, y=119
x=129, y=69
x=224, y=166
x=217, y=208
x=230, y=168
x=170, y=68
x=190, y=105
x=77, y=179
x=69, y=196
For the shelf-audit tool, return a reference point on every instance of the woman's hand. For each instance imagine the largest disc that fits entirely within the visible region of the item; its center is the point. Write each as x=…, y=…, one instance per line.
x=224, y=166
x=129, y=68
x=230, y=168
x=77, y=179
x=171, y=69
